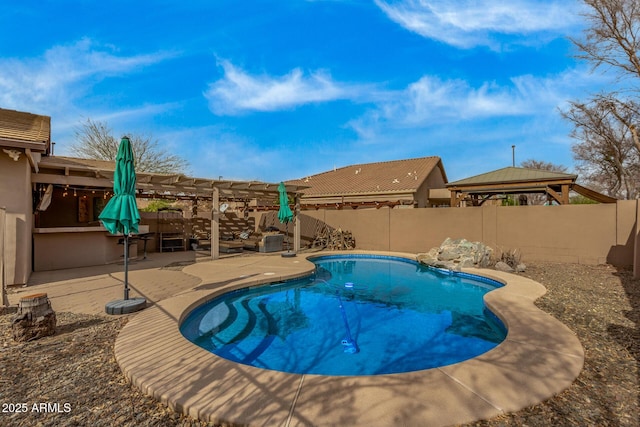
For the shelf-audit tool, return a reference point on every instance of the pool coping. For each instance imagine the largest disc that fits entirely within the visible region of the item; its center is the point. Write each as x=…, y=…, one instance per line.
x=539, y=358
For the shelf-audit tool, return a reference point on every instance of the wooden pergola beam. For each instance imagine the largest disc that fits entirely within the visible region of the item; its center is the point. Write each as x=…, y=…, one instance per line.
x=558, y=197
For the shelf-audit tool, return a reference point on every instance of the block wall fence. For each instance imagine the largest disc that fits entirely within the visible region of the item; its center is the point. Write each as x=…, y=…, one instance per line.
x=584, y=234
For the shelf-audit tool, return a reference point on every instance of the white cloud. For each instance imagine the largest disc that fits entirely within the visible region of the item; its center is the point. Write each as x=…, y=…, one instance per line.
x=433, y=102
x=469, y=23
x=238, y=91
x=62, y=75
x=59, y=84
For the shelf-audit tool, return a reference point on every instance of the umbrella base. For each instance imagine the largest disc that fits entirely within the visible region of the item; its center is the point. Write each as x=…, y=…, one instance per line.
x=288, y=254
x=125, y=306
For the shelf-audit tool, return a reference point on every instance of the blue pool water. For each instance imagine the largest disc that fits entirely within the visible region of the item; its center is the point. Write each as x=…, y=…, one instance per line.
x=357, y=315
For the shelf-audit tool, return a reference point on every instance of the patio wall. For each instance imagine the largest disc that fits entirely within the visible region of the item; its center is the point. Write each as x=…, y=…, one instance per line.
x=3, y=282
x=586, y=234
x=15, y=197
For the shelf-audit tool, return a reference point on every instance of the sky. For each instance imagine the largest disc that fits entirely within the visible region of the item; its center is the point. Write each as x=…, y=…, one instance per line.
x=283, y=89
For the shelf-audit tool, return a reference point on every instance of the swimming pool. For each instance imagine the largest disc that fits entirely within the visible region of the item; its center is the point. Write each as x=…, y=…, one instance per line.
x=357, y=315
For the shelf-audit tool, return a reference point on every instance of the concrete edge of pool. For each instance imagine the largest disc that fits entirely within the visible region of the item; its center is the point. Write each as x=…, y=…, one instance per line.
x=539, y=358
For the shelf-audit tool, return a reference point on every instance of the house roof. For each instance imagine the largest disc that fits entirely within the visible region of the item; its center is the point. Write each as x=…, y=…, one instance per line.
x=17, y=127
x=398, y=176
x=512, y=175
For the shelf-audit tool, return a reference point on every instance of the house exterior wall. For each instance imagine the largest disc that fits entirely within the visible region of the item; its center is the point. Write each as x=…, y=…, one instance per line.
x=585, y=234
x=434, y=180
x=15, y=196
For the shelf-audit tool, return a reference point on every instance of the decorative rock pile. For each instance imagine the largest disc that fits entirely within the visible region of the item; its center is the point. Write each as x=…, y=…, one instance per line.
x=456, y=254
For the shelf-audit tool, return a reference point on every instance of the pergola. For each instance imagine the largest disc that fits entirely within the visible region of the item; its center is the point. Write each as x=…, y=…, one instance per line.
x=511, y=180
x=98, y=175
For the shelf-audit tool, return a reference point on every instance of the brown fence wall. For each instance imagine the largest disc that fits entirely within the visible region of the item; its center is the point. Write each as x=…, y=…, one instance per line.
x=586, y=234
x=3, y=283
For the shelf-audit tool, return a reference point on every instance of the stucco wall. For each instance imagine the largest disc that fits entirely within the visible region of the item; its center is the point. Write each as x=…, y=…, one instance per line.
x=15, y=196
x=586, y=234
x=54, y=251
x=434, y=180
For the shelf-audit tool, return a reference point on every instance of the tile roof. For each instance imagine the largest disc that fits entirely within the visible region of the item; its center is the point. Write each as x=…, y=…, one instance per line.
x=511, y=175
x=372, y=178
x=27, y=127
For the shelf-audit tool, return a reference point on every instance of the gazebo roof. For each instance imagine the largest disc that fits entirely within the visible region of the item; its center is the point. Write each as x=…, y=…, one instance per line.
x=512, y=175
x=513, y=180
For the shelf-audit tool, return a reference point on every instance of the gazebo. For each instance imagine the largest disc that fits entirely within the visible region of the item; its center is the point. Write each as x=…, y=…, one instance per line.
x=512, y=180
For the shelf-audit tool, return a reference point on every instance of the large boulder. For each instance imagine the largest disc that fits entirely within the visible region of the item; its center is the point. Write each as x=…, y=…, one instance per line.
x=455, y=254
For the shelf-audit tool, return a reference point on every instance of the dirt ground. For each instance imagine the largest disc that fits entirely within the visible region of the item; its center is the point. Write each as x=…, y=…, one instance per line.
x=72, y=378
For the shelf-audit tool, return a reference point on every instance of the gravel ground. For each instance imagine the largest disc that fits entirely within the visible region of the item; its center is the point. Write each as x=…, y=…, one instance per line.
x=75, y=375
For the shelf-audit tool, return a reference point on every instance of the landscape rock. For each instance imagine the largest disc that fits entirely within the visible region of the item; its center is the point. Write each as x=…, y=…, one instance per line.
x=503, y=266
x=455, y=254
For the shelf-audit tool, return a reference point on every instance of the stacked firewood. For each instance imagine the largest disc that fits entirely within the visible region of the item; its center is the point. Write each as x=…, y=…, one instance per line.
x=334, y=239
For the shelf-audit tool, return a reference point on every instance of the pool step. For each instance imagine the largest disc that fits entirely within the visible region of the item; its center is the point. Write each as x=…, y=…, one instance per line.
x=247, y=324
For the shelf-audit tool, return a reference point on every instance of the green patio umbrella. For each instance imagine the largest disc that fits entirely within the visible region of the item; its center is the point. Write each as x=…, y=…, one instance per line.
x=121, y=214
x=284, y=213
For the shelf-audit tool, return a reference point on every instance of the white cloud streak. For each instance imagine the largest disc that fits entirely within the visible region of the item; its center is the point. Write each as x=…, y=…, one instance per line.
x=239, y=92
x=59, y=83
x=62, y=75
x=469, y=23
x=433, y=102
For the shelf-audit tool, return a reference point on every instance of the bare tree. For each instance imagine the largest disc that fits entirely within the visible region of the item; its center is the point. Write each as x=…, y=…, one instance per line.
x=542, y=165
x=537, y=198
x=611, y=40
x=605, y=126
x=608, y=159
x=94, y=140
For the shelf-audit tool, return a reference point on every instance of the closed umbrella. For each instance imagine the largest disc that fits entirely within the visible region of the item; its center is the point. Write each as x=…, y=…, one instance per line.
x=121, y=215
x=284, y=213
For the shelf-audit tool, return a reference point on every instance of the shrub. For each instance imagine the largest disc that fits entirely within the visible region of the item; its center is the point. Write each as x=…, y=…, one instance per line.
x=511, y=257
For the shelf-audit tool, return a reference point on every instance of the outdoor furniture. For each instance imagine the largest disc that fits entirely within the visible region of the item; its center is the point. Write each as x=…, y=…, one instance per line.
x=230, y=246
x=264, y=242
x=131, y=241
x=171, y=241
x=199, y=244
x=200, y=237
x=271, y=243
x=145, y=238
x=134, y=239
x=171, y=230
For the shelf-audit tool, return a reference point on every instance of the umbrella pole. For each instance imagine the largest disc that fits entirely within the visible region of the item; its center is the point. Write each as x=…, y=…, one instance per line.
x=126, y=267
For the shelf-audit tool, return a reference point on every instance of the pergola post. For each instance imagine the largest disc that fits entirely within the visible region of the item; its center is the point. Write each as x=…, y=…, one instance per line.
x=565, y=194
x=454, y=198
x=215, y=224
x=297, y=226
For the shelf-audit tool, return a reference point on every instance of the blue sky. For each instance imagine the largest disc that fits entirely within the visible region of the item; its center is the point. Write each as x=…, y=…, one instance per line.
x=282, y=89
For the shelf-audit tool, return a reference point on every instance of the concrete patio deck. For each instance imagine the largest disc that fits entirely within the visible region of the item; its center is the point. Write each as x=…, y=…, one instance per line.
x=539, y=358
